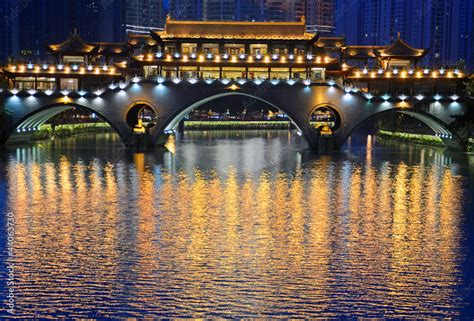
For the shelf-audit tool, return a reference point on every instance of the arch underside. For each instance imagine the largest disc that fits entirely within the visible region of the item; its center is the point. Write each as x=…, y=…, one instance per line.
x=440, y=129
x=174, y=122
x=34, y=121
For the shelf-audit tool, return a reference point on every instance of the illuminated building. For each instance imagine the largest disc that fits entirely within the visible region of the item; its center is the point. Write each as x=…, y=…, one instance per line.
x=234, y=51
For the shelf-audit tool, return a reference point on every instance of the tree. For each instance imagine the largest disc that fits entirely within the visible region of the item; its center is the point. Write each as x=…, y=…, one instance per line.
x=470, y=87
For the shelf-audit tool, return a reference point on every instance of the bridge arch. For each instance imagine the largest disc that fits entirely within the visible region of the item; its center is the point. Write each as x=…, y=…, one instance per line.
x=40, y=116
x=173, y=121
x=450, y=138
x=132, y=112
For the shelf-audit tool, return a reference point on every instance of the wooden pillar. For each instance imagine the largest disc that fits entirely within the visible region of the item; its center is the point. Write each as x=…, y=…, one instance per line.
x=269, y=73
x=247, y=48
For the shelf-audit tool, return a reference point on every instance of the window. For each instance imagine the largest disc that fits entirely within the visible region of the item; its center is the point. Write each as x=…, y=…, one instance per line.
x=188, y=71
x=234, y=49
x=150, y=71
x=69, y=84
x=25, y=83
x=189, y=48
x=233, y=72
x=258, y=49
x=210, y=72
x=258, y=73
x=280, y=73
x=73, y=60
x=211, y=48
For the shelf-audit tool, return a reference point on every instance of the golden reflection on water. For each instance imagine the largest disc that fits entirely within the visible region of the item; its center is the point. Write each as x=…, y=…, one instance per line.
x=329, y=238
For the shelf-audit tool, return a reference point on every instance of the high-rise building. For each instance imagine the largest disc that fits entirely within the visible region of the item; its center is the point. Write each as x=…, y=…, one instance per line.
x=294, y=10
x=444, y=26
x=219, y=10
x=320, y=15
x=346, y=20
x=7, y=24
x=185, y=9
x=142, y=15
x=250, y=10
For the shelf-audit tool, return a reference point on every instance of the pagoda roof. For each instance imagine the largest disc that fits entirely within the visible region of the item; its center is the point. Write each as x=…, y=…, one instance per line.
x=361, y=52
x=330, y=42
x=112, y=48
x=73, y=45
x=400, y=49
x=141, y=40
x=235, y=30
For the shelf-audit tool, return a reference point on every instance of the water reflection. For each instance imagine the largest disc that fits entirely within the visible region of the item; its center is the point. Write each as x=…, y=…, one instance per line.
x=236, y=228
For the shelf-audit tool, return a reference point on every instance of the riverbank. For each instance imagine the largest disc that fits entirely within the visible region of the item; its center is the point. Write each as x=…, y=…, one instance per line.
x=429, y=140
x=222, y=124
x=46, y=131
x=470, y=145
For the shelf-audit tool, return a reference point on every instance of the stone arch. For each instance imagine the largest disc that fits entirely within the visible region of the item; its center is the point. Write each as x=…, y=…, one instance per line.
x=139, y=104
x=450, y=138
x=172, y=122
x=39, y=116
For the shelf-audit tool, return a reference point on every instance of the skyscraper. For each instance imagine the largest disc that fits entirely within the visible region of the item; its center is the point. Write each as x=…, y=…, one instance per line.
x=250, y=10
x=142, y=15
x=6, y=26
x=185, y=9
x=320, y=15
x=222, y=10
x=443, y=26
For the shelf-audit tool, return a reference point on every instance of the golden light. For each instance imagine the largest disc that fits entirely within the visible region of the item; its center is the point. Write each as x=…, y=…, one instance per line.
x=250, y=59
x=112, y=70
x=326, y=59
x=299, y=59
x=283, y=59
x=82, y=70
x=373, y=74
x=67, y=69
x=450, y=74
x=185, y=58
x=234, y=87
x=168, y=57
x=357, y=74
x=388, y=74
x=97, y=70
x=434, y=74
x=218, y=58
x=418, y=74
x=52, y=69
x=201, y=58
x=267, y=59
x=403, y=74
x=37, y=69
x=22, y=68
x=149, y=56
x=233, y=59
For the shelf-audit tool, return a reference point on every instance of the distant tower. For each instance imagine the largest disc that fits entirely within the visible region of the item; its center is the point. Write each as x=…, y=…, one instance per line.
x=250, y=10
x=320, y=14
x=220, y=10
x=185, y=9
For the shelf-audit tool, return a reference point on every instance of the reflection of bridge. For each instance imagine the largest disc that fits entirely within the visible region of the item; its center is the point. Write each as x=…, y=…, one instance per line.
x=172, y=101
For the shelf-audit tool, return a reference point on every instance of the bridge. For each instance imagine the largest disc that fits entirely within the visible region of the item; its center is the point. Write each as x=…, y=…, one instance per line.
x=172, y=99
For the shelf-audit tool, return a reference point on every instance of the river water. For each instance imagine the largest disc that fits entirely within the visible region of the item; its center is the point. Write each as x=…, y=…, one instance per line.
x=235, y=224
